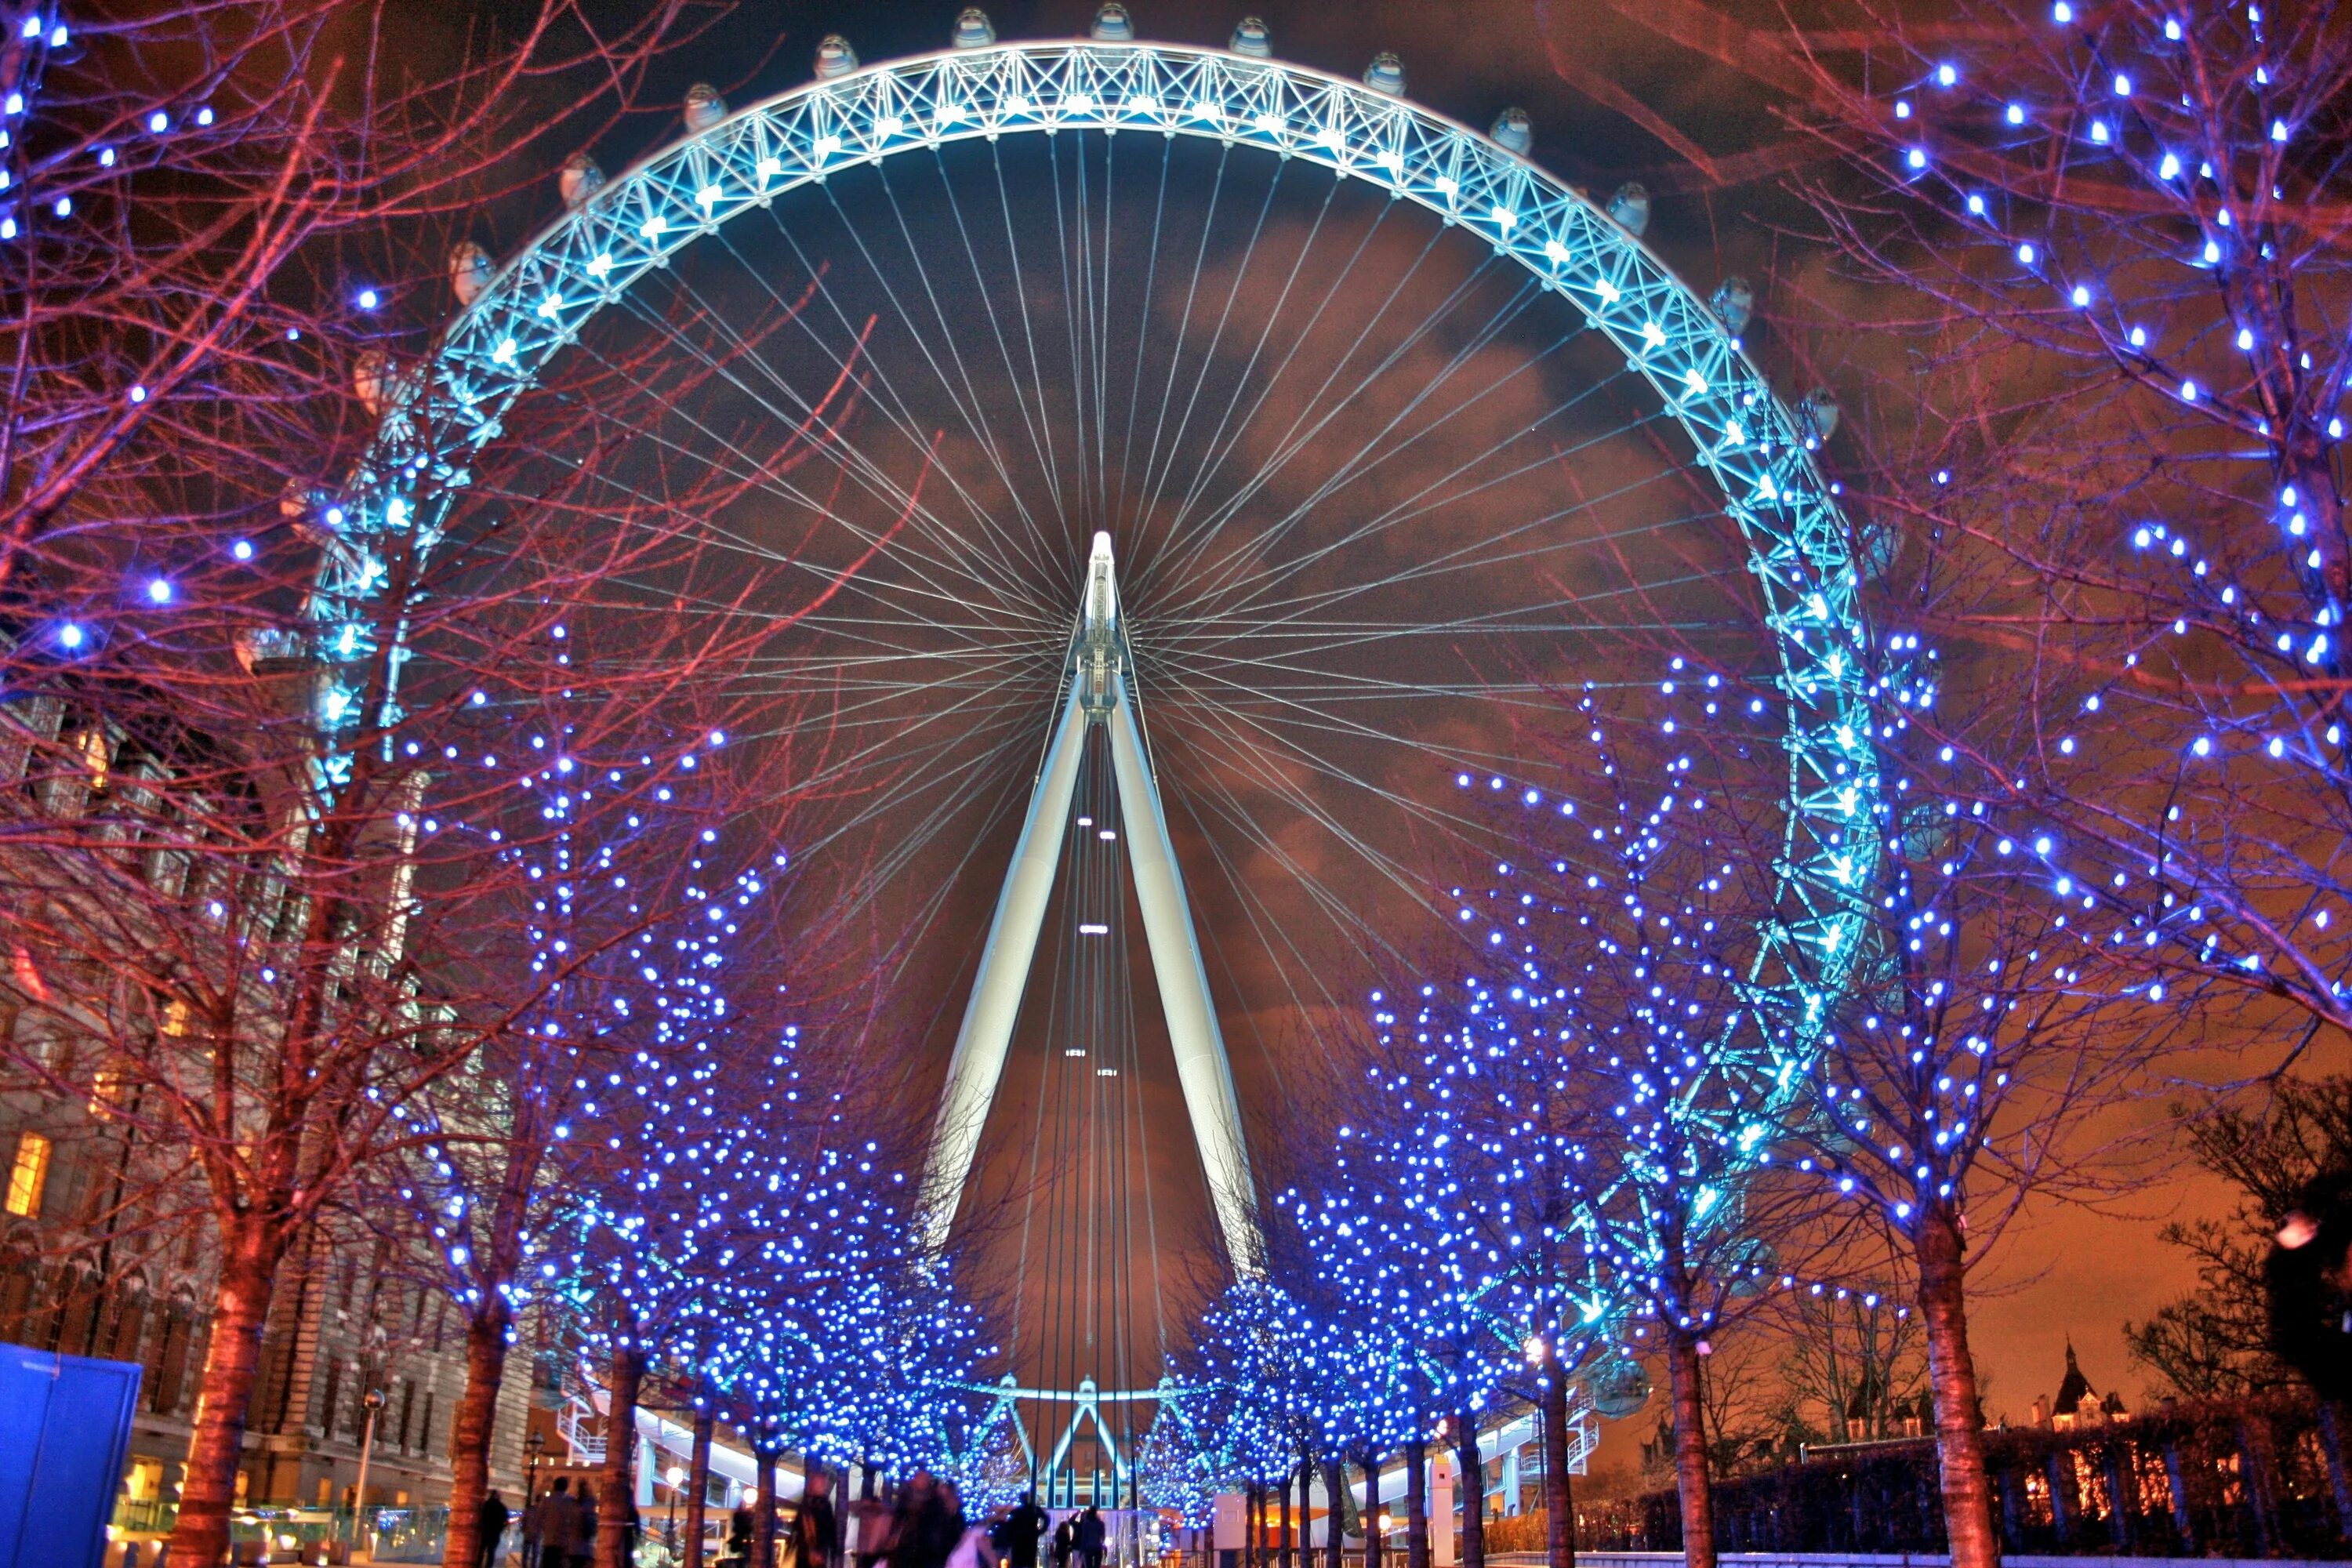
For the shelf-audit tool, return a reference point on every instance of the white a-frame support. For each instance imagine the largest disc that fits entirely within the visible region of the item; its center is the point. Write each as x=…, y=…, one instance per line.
x=1099, y=693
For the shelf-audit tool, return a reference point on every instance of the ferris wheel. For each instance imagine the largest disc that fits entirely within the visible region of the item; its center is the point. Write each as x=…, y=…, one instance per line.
x=1219, y=459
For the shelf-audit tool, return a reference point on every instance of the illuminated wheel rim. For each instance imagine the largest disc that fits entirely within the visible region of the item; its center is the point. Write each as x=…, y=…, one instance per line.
x=1748, y=446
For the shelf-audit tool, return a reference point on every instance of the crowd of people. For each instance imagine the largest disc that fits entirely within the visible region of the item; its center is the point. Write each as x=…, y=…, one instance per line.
x=923, y=1526
x=926, y=1527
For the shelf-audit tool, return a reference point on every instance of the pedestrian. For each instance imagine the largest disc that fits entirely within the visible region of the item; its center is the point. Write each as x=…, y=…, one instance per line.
x=740, y=1524
x=815, y=1533
x=492, y=1519
x=943, y=1525
x=534, y=1531
x=924, y=1531
x=1024, y=1527
x=559, y=1536
x=1089, y=1538
x=583, y=1511
x=874, y=1524
x=1066, y=1539
x=973, y=1549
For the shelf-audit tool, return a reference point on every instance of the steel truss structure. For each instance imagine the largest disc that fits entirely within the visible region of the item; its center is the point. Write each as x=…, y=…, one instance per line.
x=1098, y=690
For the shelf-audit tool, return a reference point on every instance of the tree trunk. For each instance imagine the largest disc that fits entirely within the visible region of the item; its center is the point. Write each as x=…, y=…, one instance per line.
x=1952, y=1388
x=1290, y=1517
x=1416, y=1504
x=252, y=1250
x=470, y=1432
x=697, y=1496
x=616, y=1503
x=1374, y=1545
x=1560, y=1518
x=1335, y=1514
x=1470, y=1486
x=1690, y=1452
x=2258, y=1479
x=2333, y=1418
x=1253, y=1524
x=763, y=1512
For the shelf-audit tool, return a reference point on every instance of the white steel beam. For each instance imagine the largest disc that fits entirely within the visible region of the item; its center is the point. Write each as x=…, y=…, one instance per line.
x=1201, y=1066
x=1099, y=693
x=988, y=1018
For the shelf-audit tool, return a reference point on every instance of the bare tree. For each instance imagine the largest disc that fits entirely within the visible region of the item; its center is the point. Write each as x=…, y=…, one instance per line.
x=2216, y=1342
x=190, y=190
x=2115, y=235
x=1855, y=1357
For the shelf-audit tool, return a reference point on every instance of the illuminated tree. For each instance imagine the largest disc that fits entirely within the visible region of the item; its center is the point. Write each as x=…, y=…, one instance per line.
x=1398, y=1226
x=2122, y=223
x=234, y=892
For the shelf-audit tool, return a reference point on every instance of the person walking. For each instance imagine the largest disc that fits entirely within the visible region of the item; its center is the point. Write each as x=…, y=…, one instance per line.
x=875, y=1527
x=534, y=1531
x=492, y=1517
x=740, y=1526
x=1024, y=1527
x=943, y=1525
x=924, y=1530
x=814, y=1532
x=1089, y=1538
x=1066, y=1539
x=559, y=1527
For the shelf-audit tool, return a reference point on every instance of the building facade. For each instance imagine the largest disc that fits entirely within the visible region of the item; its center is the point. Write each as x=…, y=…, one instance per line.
x=105, y=1244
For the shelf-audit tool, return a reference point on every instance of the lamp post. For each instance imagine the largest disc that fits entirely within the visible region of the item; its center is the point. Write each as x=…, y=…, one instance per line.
x=373, y=1403
x=533, y=1447
x=677, y=1478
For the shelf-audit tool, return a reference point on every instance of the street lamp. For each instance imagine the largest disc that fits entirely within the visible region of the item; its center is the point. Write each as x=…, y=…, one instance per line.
x=677, y=1478
x=373, y=1403
x=533, y=1447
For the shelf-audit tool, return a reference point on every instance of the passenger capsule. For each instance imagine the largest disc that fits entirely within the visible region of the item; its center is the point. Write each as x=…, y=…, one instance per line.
x=1514, y=131
x=972, y=29
x=1619, y=1387
x=834, y=58
x=1817, y=415
x=1252, y=39
x=1385, y=73
x=469, y=273
x=1734, y=304
x=579, y=180
x=704, y=107
x=1113, y=24
x=1631, y=207
x=1875, y=551
x=371, y=378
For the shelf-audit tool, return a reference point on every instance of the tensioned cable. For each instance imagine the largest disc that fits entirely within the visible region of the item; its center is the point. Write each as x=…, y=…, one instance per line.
x=871, y=476
x=1158, y=486
x=1051, y=471
x=1336, y=533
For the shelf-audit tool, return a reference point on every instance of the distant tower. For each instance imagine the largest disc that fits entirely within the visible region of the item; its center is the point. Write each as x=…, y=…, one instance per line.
x=2078, y=1404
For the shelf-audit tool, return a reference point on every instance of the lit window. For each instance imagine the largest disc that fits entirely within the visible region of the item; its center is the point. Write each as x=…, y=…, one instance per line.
x=29, y=1175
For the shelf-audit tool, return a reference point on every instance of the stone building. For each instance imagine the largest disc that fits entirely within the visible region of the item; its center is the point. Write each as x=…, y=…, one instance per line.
x=105, y=1250
x=2077, y=1404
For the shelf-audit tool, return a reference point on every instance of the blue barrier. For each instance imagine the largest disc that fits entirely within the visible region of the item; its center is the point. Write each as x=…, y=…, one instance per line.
x=64, y=1426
